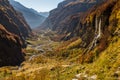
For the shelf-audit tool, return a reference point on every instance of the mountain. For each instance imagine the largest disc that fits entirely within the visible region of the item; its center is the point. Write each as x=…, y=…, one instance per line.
x=60, y=19
x=45, y=14
x=95, y=22
x=13, y=32
x=33, y=18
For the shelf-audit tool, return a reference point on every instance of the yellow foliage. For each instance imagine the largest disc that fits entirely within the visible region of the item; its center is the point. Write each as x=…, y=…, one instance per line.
x=74, y=44
x=118, y=15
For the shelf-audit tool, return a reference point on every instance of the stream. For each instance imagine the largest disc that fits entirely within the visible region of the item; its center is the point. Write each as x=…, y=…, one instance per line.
x=41, y=48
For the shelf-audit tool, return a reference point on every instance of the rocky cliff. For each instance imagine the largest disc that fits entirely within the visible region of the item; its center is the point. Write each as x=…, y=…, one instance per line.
x=66, y=16
x=10, y=48
x=13, y=21
x=13, y=31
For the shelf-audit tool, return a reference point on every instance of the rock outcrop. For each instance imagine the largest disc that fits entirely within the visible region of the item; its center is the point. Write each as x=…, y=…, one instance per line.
x=10, y=48
x=13, y=31
x=13, y=21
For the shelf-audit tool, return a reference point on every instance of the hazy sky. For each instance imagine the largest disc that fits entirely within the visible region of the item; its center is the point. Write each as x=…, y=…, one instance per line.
x=40, y=5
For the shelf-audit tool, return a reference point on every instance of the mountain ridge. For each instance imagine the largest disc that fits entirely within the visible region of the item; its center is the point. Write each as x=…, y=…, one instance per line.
x=33, y=18
x=69, y=8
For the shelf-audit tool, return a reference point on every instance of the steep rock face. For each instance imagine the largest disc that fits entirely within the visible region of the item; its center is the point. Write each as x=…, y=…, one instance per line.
x=13, y=31
x=10, y=48
x=62, y=18
x=33, y=18
x=13, y=21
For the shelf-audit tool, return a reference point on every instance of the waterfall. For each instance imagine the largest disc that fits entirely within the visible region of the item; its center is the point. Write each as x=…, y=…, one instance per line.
x=98, y=32
x=99, y=29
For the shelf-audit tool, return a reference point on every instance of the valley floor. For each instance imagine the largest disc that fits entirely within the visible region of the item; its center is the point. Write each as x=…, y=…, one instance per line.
x=50, y=60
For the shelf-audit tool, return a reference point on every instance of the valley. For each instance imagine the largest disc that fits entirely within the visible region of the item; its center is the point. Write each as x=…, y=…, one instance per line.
x=78, y=40
x=45, y=62
x=40, y=64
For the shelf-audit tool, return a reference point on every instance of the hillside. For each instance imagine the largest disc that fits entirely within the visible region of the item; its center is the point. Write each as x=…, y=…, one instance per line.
x=65, y=17
x=33, y=18
x=93, y=21
x=13, y=31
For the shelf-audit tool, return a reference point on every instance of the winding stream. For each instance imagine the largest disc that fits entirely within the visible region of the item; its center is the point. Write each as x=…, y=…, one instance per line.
x=41, y=48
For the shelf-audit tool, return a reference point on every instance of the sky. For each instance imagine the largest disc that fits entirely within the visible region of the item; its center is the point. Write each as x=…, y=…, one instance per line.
x=40, y=5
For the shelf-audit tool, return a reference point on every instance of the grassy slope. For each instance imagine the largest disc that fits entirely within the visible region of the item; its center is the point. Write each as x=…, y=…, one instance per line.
x=64, y=65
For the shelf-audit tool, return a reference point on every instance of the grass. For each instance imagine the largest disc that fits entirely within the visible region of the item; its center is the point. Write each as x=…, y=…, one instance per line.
x=107, y=64
x=44, y=67
x=62, y=63
x=4, y=72
x=52, y=68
